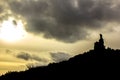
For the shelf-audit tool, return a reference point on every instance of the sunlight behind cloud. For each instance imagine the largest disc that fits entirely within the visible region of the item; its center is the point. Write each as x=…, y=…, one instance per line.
x=11, y=30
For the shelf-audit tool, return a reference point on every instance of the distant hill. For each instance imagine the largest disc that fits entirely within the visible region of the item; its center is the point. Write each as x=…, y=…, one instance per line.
x=94, y=63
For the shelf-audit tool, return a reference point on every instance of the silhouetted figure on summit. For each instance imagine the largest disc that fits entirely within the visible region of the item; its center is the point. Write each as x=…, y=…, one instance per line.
x=99, y=46
x=101, y=41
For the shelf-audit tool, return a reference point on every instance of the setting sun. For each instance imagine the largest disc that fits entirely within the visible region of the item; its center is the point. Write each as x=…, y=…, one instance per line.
x=12, y=30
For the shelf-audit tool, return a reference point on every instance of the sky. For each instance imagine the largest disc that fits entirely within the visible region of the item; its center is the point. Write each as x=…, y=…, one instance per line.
x=38, y=32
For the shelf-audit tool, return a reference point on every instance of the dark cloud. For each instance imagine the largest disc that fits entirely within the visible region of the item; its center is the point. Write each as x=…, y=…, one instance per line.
x=60, y=56
x=24, y=56
x=90, y=13
x=27, y=56
x=65, y=21
x=14, y=22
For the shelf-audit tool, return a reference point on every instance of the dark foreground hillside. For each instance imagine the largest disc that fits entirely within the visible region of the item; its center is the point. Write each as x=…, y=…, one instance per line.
x=95, y=63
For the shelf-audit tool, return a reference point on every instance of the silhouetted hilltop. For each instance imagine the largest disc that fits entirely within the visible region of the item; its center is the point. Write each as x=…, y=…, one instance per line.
x=95, y=63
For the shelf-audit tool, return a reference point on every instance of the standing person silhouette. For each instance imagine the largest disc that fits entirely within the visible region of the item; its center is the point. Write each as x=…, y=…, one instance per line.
x=101, y=41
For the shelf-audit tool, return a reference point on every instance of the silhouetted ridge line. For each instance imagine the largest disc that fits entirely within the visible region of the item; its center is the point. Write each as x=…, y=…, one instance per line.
x=95, y=63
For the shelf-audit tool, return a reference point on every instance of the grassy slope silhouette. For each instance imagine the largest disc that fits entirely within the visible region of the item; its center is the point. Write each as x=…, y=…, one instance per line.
x=97, y=62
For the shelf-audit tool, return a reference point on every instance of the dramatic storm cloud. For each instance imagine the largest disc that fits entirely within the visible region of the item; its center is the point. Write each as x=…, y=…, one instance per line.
x=66, y=20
